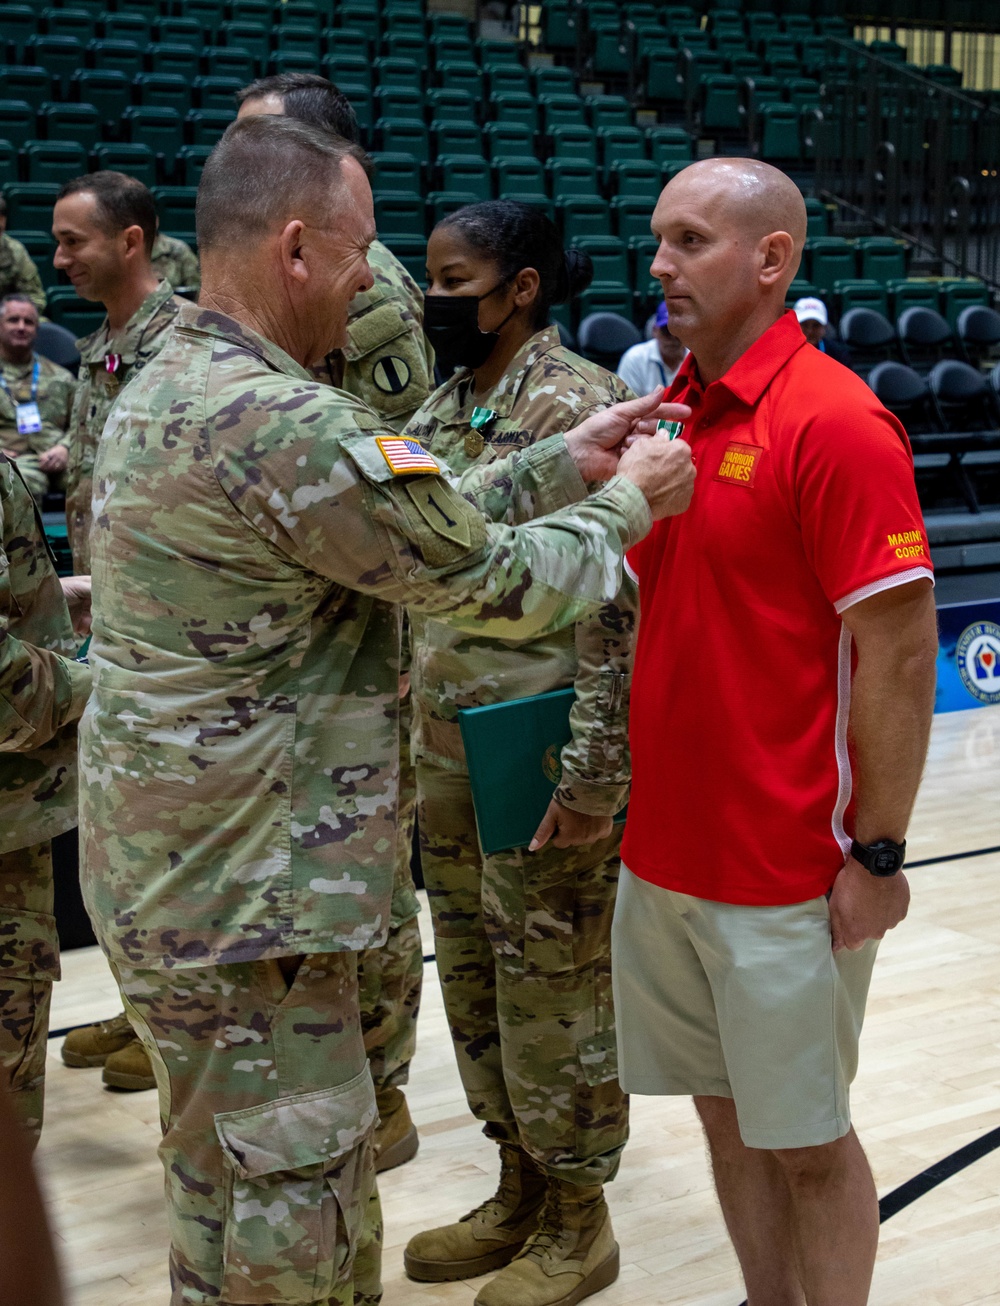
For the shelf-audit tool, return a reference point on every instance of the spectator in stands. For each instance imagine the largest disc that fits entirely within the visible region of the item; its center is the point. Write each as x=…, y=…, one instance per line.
x=17, y=271
x=815, y=323
x=104, y=224
x=655, y=361
x=781, y=617
x=36, y=398
x=176, y=262
x=518, y=1006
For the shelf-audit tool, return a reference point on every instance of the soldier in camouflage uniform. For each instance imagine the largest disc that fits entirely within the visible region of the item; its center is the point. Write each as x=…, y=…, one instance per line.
x=176, y=262
x=523, y=941
x=255, y=532
x=36, y=398
x=388, y=365
x=104, y=224
x=18, y=273
x=42, y=693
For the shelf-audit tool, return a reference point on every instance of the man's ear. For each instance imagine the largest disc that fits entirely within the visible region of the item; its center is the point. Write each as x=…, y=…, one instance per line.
x=290, y=253
x=777, y=256
x=135, y=241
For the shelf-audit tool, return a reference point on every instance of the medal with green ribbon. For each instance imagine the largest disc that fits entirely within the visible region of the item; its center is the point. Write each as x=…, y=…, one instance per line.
x=474, y=441
x=671, y=429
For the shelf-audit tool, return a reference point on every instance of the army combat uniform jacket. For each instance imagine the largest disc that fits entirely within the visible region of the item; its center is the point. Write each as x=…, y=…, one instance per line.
x=176, y=262
x=18, y=272
x=54, y=397
x=387, y=362
x=546, y=390
x=107, y=362
x=253, y=532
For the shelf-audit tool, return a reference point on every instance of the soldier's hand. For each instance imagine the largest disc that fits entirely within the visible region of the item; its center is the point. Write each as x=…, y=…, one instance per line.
x=597, y=444
x=54, y=459
x=569, y=829
x=76, y=592
x=663, y=471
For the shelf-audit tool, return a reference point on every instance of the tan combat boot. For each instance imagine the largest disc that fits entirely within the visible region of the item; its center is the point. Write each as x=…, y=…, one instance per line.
x=571, y=1255
x=396, y=1140
x=129, y=1068
x=487, y=1237
x=91, y=1045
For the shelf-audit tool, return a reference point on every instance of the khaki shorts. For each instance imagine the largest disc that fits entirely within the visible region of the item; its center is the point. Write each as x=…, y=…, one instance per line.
x=751, y=1003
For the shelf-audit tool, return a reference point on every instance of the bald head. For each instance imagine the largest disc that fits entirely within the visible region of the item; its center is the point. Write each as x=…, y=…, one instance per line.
x=753, y=196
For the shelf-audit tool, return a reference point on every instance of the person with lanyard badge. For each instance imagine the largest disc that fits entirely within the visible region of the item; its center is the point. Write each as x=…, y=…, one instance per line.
x=655, y=361
x=36, y=398
x=522, y=938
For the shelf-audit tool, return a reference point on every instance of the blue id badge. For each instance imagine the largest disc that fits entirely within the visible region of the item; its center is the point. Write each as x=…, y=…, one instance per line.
x=29, y=419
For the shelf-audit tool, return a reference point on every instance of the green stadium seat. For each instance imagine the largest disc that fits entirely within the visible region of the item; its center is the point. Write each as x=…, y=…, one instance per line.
x=562, y=111
x=205, y=126
x=568, y=178
x=449, y=137
x=559, y=26
x=20, y=25
x=515, y=106
x=108, y=90
x=150, y=9
x=583, y=216
x=573, y=142
x=175, y=205
x=157, y=126
x=678, y=18
x=450, y=106
x=670, y=170
x=888, y=50
x=32, y=84
x=255, y=38
x=944, y=75
x=397, y=173
x=813, y=55
x=70, y=122
x=68, y=22
x=180, y=31
x=60, y=56
x=53, y=161
x=41, y=247
x=461, y=75
x=693, y=39
x=408, y=25
x=604, y=297
x=361, y=16
x=291, y=61
x=915, y=292
x=784, y=67
x=721, y=109
x=398, y=215
x=215, y=92
x=608, y=111
x=229, y=61
x=506, y=77
x=758, y=91
x=180, y=59
x=137, y=161
x=453, y=25
x=493, y=52
x=463, y=172
x=361, y=102
x=725, y=20
x=8, y=164
x=67, y=309
x=17, y=122
x=667, y=144
x=520, y=179
x=692, y=69
x=958, y=294
x=346, y=40
x=399, y=102
x=859, y=293
x=442, y=203
x=800, y=289
x=303, y=41
x=631, y=216
x=163, y=91
x=404, y=136
x=797, y=25
x=779, y=132
x=190, y=162
x=299, y=13
x=744, y=65
x=29, y=204
x=817, y=218
x=833, y=25
x=508, y=140
x=412, y=253
x=553, y=81
x=115, y=56
x=125, y=26
x=830, y=259
x=354, y=68
x=637, y=177
x=452, y=50
x=882, y=259
x=611, y=49
x=617, y=143
x=404, y=73
x=778, y=47
x=803, y=92
x=762, y=25
x=210, y=13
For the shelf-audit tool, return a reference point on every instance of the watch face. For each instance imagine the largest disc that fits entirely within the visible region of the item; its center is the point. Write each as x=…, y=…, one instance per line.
x=887, y=859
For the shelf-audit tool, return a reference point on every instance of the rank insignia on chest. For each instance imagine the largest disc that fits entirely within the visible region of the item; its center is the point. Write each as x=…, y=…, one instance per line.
x=405, y=457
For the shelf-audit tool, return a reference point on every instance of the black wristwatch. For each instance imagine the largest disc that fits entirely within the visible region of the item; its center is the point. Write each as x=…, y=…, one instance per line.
x=882, y=858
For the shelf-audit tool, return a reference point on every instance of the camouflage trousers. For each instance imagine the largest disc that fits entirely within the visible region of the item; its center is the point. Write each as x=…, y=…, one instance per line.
x=390, y=978
x=29, y=964
x=523, y=944
x=268, y=1113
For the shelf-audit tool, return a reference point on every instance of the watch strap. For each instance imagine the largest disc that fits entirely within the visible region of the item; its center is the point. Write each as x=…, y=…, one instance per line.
x=882, y=858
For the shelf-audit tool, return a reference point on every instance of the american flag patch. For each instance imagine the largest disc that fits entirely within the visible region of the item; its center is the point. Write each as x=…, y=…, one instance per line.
x=405, y=456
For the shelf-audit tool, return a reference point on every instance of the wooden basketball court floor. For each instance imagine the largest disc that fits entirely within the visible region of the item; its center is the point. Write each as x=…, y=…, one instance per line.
x=929, y=1085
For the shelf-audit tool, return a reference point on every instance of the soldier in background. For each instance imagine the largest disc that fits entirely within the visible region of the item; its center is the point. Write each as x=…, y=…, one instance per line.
x=104, y=224
x=175, y=261
x=36, y=398
x=43, y=691
x=257, y=534
x=387, y=363
x=17, y=271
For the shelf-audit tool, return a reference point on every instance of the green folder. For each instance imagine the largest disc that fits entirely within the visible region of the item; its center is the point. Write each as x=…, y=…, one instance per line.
x=512, y=750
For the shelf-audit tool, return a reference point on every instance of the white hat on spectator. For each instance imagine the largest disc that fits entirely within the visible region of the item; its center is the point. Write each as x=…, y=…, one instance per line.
x=811, y=310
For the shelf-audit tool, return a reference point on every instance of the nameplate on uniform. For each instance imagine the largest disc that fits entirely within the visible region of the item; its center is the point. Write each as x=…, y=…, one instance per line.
x=405, y=457
x=29, y=419
x=739, y=464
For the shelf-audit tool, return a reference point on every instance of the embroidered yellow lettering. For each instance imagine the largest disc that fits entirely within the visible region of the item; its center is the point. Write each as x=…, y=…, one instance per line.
x=739, y=464
x=907, y=544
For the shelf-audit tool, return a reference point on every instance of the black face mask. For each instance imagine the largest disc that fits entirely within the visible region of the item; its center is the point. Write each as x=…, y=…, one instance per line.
x=451, y=324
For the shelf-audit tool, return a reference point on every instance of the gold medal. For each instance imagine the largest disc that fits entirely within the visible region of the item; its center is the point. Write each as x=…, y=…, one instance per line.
x=111, y=383
x=474, y=444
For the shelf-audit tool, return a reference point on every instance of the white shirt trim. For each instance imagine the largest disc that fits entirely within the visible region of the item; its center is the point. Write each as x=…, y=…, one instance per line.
x=630, y=572
x=877, y=586
x=845, y=787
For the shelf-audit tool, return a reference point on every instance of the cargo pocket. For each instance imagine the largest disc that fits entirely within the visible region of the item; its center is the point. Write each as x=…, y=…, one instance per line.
x=599, y=1058
x=299, y=1174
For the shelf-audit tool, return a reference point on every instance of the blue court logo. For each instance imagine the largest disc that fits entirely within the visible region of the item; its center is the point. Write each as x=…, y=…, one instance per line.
x=978, y=657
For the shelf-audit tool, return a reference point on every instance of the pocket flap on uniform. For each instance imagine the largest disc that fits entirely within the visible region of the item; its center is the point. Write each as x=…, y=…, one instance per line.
x=598, y=1058
x=296, y=1132
x=370, y=331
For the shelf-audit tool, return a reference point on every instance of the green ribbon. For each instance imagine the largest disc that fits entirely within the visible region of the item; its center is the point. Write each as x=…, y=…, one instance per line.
x=480, y=417
x=672, y=429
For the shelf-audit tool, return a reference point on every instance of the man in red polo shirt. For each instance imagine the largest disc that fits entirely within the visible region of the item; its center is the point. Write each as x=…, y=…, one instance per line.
x=783, y=692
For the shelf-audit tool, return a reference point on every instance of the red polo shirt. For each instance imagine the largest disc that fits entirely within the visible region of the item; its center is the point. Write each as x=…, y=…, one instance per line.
x=804, y=504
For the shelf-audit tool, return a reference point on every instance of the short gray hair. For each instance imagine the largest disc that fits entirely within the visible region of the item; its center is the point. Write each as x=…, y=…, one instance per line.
x=264, y=169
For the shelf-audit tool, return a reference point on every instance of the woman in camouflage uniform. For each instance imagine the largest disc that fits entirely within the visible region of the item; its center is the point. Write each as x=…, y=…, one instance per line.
x=523, y=937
